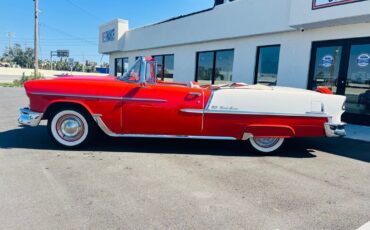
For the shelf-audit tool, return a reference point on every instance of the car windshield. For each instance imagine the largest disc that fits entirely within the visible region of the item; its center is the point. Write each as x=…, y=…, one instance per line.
x=133, y=75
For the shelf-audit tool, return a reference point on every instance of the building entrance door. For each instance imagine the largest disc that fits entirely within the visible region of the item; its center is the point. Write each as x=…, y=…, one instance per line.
x=344, y=67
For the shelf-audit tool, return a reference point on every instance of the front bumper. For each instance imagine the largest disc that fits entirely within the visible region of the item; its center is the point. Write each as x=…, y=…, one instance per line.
x=335, y=130
x=28, y=117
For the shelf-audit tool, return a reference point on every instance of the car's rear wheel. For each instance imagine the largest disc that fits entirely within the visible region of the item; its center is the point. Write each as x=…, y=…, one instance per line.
x=266, y=145
x=70, y=128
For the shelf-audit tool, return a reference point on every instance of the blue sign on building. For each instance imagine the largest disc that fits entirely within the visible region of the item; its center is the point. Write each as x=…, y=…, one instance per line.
x=109, y=35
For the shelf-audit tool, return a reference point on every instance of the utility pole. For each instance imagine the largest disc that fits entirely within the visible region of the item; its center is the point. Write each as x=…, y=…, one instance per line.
x=83, y=62
x=51, y=60
x=36, y=45
x=10, y=36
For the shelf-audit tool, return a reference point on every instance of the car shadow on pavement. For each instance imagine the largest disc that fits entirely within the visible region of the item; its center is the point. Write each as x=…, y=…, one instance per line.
x=37, y=138
x=355, y=149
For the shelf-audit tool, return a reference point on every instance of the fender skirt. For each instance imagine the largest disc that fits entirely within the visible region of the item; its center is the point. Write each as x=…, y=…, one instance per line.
x=280, y=131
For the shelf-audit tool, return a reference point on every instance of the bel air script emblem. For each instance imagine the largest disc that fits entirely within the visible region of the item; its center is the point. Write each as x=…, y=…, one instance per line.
x=226, y=108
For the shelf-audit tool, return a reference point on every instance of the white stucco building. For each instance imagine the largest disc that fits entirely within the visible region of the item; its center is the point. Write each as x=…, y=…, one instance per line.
x=297, y=43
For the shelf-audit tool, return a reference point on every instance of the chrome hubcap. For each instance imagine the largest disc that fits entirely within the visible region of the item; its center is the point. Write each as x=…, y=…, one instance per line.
x=266, y=142
x=70, y=128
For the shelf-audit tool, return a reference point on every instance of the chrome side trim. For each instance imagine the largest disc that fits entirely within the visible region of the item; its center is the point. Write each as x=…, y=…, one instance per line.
x=144, y=99
x=198, y=111
x=209, y=100
x=179, y=137
x=106, y=130
x=103, y=126
x=76, y=95
x=316, y=113
x=265, y=113
x=99, y=97
x=247, y=136
x=28, y=117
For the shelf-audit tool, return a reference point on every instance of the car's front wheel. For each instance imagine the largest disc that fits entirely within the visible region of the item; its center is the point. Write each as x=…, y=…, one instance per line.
x=266, y=145
x=70, y=128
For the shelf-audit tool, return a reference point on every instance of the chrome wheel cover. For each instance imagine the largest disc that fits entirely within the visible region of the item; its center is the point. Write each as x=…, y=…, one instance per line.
x=266, y=142
x=70, y=127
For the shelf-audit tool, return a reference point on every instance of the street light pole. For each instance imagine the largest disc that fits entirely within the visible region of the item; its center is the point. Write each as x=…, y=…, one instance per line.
x=36, y=45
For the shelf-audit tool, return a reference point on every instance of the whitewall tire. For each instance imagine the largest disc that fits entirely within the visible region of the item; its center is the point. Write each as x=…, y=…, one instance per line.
x=266, y=145
x=70, y=128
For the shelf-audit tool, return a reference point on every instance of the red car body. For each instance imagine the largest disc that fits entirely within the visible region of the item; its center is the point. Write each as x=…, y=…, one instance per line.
x=159, y=109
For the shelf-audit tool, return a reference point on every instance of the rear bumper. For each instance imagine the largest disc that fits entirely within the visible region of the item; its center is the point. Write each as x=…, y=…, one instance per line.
x=28, y=117
x=335, y=130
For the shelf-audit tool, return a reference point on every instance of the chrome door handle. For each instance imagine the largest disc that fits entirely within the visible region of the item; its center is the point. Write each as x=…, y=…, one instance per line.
x=196, y=94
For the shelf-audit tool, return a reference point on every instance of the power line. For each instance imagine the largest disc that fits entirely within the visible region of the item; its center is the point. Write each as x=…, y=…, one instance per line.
x=43, y=38
x=66, y=33
x=84, y=10
x=78, y=55
x=59, y=40
x=67, y=45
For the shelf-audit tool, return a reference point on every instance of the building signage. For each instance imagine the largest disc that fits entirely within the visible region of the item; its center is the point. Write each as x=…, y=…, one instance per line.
x=327, y=61
x=62, y=53
x=317, y=4
x=363, y=60
x=109, y=35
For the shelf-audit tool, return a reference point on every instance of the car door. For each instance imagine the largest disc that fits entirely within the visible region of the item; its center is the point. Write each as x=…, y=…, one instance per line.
x=161, y=109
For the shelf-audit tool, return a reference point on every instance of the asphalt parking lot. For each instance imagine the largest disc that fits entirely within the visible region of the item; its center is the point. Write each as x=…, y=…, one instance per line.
x=177, y=184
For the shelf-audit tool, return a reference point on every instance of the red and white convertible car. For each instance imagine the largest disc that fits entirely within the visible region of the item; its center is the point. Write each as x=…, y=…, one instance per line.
x=137, y=105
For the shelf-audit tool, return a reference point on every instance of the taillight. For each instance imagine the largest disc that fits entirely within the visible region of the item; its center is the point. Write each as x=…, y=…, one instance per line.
x=324, y=90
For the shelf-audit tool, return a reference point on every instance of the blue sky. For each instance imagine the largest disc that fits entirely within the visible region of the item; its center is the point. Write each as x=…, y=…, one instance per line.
x=73, y=24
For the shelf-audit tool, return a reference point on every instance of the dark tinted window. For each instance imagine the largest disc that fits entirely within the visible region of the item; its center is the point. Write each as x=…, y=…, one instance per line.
x=165, y=65
x=215, y=67
x=224, y=66
x=121, y=66
x=205, y=67
x=159, y=60
x=169, y=62
x=267, y=65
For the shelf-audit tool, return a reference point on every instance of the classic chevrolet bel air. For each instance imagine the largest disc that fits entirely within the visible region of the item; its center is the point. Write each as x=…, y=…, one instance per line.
x=138, y=105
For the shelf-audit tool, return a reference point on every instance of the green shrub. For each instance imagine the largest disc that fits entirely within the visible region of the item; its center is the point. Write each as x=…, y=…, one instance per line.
x=24, y=78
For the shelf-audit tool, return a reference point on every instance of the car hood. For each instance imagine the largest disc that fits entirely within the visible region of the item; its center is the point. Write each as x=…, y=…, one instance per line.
x=76, y=85
x=84, y=78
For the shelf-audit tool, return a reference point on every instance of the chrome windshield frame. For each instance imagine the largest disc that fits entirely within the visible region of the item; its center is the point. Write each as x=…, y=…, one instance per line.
x=142, y=72
x=139, y=60
x=147, y=64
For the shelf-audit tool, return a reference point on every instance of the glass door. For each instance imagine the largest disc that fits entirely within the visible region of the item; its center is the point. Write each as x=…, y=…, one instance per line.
x=344, y=67
x=357, y=87
x=327, y=67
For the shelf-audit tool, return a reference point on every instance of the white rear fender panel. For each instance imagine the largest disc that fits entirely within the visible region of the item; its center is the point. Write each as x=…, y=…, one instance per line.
x=276, y=101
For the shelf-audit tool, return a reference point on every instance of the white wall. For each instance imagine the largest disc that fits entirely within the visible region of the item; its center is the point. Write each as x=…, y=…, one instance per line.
x=120, y=27
x=296, y=50
x=235, y=19
x=240, y=18
x=301, y=14
x=294, y=55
